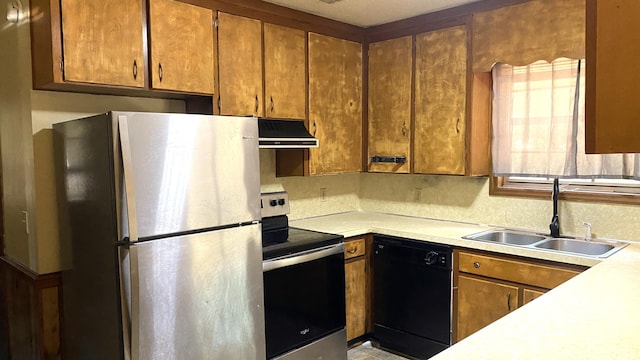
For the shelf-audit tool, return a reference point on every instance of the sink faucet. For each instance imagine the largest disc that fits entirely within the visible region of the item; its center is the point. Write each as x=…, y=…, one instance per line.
x=555, y=225
x=587, y=225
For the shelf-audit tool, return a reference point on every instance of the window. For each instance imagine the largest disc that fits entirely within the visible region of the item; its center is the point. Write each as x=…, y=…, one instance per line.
x=538, y=134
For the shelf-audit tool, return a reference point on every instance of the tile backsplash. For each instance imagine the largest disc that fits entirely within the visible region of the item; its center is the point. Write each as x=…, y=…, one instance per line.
x=443, y=197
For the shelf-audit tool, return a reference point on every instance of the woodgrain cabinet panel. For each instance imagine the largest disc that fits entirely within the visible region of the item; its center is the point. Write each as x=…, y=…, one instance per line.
x=240, y=65
x=103, y=42
x=389, y=133
x=285, y=72
x=356, y=297
x=441, y=92
x=612, y=122
x=182, y=50
x=335, y=104
x=490, y=285
x=481, y=302
x=528, y=295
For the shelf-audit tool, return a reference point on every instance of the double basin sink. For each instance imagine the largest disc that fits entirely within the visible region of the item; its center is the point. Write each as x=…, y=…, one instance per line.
x=542, y=242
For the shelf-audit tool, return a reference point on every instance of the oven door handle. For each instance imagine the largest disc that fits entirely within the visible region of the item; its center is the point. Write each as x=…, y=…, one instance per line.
x=302, y=257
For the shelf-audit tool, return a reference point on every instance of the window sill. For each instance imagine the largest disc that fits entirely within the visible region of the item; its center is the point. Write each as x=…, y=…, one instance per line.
x=498, y=187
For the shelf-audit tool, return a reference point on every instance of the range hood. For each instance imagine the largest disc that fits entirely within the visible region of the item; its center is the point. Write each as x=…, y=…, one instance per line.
x=284, y=134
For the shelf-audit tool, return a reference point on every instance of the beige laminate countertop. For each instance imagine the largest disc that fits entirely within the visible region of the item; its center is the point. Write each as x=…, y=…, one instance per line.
x=595, y=315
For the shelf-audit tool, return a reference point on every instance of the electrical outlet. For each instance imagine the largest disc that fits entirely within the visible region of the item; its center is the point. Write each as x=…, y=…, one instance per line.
x=417, y=194
x=323, y=194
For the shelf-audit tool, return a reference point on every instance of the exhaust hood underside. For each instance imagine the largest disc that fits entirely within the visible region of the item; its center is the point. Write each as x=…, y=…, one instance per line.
x=284, y=134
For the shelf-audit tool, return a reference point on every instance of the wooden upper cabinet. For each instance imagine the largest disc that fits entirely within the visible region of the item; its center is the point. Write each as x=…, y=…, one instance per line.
x=102, y=42
x=390, y=67
x=285, y=72
x=240, y=65
x=182, y=48
x=441, y=93
x=612, y=122
x=335, y=104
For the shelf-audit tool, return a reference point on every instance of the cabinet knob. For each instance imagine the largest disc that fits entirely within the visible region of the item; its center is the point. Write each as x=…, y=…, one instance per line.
x=257, y=105
x=404, y=129
x=272, y=104
x=160, y=71
x=135, y=70
x=476, y=265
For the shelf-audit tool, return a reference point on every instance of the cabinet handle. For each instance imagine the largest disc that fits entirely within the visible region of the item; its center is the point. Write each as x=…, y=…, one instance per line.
x=160, y=71
x=509, y=301
x=256, y=112
x=476, y=265
x=404, y=128
x=135, y=70
x=272, y=104
x=458, y=126
x=315, y=128
x=352, y=250
x=219, y=104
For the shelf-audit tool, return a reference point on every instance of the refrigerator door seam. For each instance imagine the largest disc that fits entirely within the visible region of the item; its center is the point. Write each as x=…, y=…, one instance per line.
x=128, y=178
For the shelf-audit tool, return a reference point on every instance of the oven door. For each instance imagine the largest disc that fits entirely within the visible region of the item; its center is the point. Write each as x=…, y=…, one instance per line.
x=304, y=298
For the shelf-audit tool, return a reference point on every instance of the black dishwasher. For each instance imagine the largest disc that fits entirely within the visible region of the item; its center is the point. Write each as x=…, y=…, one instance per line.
x=412, y=296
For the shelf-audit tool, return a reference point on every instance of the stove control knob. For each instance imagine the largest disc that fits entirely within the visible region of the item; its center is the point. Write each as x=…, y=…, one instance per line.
x=280, y=202
x=273, y=202
x=431, y=258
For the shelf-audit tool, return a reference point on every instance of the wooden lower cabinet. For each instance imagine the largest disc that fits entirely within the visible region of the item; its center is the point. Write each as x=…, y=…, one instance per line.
x=489, y=286
x=356, y=287
x=481, y=302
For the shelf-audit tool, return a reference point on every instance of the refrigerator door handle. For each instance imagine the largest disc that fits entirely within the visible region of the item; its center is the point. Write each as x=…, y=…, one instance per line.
x=128, y=178
x=302, y=257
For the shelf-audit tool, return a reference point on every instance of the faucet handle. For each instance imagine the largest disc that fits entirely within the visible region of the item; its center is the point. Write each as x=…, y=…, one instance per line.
x=587, y=225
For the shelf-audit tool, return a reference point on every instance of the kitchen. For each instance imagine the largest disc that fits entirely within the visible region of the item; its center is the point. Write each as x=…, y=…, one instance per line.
x=26, y=141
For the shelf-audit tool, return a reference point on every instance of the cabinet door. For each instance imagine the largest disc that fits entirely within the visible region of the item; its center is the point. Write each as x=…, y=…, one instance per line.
x=181, y=47
x=613, y=81
x=528, y=295
x=390, y=64
x=335, y=104
x=240, y=65
x=441, y=88
x=102, y=42
x=355, y=292
x=285, y=73
x=481, y=302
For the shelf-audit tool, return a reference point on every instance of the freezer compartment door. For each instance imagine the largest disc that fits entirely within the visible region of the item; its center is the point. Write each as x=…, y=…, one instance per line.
x=195, y=297
x=187, y=172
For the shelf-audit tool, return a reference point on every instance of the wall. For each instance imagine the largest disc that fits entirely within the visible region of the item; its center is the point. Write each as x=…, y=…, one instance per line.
x=454, y=198
x=341, y=191
x=467, y=199
x=15, y=137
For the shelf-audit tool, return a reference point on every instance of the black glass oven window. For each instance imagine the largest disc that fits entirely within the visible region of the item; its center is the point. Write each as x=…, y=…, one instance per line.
x=303, y=303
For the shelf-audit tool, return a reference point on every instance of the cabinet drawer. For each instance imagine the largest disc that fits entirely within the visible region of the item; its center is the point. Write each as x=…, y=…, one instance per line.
x=540, y=275
x=354, y=248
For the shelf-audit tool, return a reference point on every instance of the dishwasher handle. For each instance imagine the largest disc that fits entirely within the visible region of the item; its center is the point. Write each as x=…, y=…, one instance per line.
x=302, y=257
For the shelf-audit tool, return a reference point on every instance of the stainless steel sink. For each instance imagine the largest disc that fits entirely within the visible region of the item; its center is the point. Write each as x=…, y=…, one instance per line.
x=578, y=247
x=506, y=237
x=542, y=242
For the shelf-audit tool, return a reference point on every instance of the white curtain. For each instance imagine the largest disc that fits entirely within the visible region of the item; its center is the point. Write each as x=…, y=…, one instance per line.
x=538, y=124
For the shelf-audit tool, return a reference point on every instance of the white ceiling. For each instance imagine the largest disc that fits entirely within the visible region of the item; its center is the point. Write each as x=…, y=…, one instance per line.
x=367, y=13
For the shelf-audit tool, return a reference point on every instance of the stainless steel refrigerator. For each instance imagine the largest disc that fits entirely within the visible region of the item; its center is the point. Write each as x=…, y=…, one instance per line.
x=161, y=236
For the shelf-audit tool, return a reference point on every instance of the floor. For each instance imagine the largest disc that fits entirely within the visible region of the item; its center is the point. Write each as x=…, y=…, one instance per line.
x=367, y=352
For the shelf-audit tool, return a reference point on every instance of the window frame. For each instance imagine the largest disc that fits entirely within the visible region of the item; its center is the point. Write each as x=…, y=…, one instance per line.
x=498, y=186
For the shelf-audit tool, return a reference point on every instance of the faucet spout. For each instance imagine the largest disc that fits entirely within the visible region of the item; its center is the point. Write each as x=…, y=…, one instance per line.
x=554, y=227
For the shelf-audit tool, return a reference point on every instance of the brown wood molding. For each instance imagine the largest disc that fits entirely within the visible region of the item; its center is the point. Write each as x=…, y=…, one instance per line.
x=281, y=15
x=432, y=21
